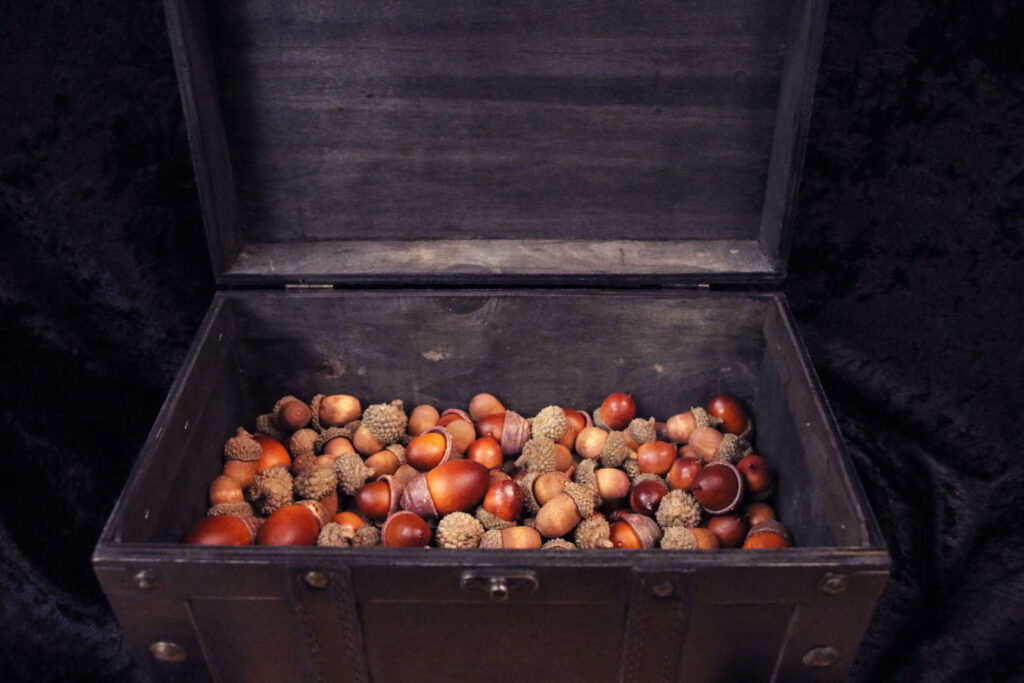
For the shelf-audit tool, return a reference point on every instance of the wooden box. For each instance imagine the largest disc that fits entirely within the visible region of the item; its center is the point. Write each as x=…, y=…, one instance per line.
x=427, y=200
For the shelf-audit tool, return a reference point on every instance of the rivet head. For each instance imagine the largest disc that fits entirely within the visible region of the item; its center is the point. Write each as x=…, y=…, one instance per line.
x=316, y=579
x=664, y=589
x=820, y=657
x=834, y=584
x=164, y=651
x=144, y=580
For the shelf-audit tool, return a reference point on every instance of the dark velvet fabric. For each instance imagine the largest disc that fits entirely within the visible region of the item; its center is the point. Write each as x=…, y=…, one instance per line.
x=905, y=278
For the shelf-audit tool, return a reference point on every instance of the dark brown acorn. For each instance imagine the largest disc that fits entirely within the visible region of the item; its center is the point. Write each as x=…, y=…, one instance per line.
x=404, y=529
x=718, y=487
x=646, y=496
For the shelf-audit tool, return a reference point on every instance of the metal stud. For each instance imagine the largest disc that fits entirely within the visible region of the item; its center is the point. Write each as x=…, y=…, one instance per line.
x=821, y=657
x=317, y=579
x=834, y=584
x=144, y=580
x=664, y=589
x=165, y=651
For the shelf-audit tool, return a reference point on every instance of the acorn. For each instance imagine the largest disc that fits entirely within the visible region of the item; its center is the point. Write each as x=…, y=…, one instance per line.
x=266, y=425
x=550, y=422
x=422, y=418
x=516, y=537
x=366, y=535
x=615, y=450
x=290, y=414
x=316, y=483
x=303, y=442
x=504, y=501
x=386, y=422
x=730, y=529
x=612, y=484
x=706, y=539
x=549, y=485
x=242, y=509
x=242, y=447
x=484, y=405
x=656, y=457
x=405, y=530
x=383, y=462
x=558, y=544
x=616, y=411
x=486, y=451
x=631, y=531
x=767, y=534
x=463, y=433
x=539, y=455
x=242, y=471
x=730, y=411
x=364, y=442
x=562, y=513
x=681, y=474
x=351, y=473
x=303, y=462
x=271, y=489
x=297, y=524
x=758, y=512
x=593, y=532
x=590, y=442
x=328, y=435
x=453, y=486
x=718, y=487
x=459, y=530
x=334, y=410
x=646, y=496
x=679, y=538
x=678, y=508
x=757, y=475
x=515, y=432
x=678, y=428
x=642, y=431
x=225, y=490
x=272, y=452
x=335, y=535
x=379, y=498
x=349, y=519
x=223, y=530
x=430, y=449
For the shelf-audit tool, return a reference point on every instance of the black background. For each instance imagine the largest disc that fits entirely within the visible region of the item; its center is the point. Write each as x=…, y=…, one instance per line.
x=906, y=278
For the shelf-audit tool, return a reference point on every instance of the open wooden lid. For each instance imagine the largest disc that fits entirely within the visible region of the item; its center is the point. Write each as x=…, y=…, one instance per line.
x=471, y=142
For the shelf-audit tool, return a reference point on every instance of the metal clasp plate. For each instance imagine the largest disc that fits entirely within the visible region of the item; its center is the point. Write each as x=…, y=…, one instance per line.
x=499, y=584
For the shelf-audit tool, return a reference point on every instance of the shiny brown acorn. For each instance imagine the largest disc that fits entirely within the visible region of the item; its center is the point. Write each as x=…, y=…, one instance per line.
x=453, y=486
x=404, y=529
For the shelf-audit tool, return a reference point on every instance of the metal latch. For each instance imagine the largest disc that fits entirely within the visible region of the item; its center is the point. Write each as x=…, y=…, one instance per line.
x=499, y=584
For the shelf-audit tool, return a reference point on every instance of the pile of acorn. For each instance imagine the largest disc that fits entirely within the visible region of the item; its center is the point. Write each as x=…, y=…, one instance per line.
x=329, y=473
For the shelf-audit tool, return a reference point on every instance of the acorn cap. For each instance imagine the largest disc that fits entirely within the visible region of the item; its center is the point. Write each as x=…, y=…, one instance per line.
x=649, y=476
x=585, y=498
x=729, y=450
x=632, y=468
x=539, y=455
x=314, y=409
x=679, y=538
x=491, y=539
x=271, y=489
x=770, y=526
x=265, y=425
x=593, y=532
x=303, y=442
x=352, y=426
x=615, y=450
x=492, y=521
x=515, y=432
x=526, y=486
x=351, y=473
x=303, y=462
x=459, y=530
x=643, y=431
x=530, y=522
x=584, y=475
x=740, y=487
x=417, y=498
x=318, y=510
x=598, y=422
x=551, y=423
x=335, y=535
x=399, y=451
x=366, y=535
x=386, y=421
x=643, y=526
x=242, y=447
x=231, y=510
x=558, y=544
x=316, y=483
x=678, y=508
x=327, y=435
x=705, y=419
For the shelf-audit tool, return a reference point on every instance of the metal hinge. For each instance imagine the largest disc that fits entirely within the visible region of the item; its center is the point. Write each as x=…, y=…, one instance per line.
x=308, y=285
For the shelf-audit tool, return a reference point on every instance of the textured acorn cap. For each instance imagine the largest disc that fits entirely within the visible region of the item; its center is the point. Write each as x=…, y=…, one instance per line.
x=242, y=447
x=353, y=425
x=459, y=530
x=539, y=455
x=231, y=510
x=335, y=535
x=649, y=476
x=327, y=435
x=679, y=538
x=615, y=450
x=705, y=419
x=271, y=489
x=351, y=473
x=643, y=431
x=593, y=532
x=366, y=535
x=386, y=421
x=598, y=422
x=584, y=475
x=265, y=425
x=491, y=539
x=530, y=522
x=314, y=409
x=632, y=468
x=316, y=483
x=584, y=497
x=551, y=423
x=558, y=544
x=678, y=508
x=492, y=521
x=729, y=450
x=303, y=442
x=526, y=486
x=399, y=451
